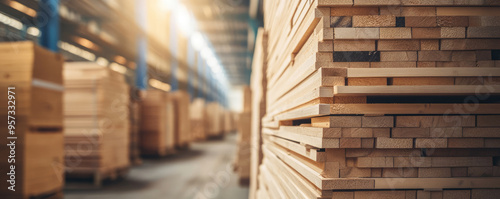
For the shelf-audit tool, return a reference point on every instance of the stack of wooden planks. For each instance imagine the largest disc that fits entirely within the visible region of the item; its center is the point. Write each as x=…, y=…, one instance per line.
x=258, y=85
x=381, y=99
x=135, y=125
x=32, y=145
x=242, y=160
x=96, y=122
x=214, y=120
x=199, y=119
x=183, y=133
x=157, y=124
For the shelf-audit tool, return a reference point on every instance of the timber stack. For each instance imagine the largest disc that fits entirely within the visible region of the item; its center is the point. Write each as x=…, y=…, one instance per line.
x=96, y=117
x=242, y=160
x=199, y=119
x=157, y=124
x=33, y=145
x=381, y=99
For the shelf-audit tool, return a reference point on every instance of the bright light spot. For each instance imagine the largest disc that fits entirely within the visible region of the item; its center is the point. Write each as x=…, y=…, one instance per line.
x=85, y=42
x=198, y=41
x=159, y=85
x=118, y=68
x=121, y=60
x=184, y=20
x=167, y=5
x=102, y=61
x=21, y=7
x=33, y=31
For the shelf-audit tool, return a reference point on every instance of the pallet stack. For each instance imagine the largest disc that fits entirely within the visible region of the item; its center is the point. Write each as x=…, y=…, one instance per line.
x=96, y=122
x=382, y=99
x=183, y=133
x=198, y=117
x=33, y=163
x=157, y=124
x=242, y=160
x=258, y=85
x=214, y=120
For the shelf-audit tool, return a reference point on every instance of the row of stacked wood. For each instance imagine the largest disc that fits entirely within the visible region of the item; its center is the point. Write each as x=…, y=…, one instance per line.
x=380, y=99
x=242, y=159
x=82, y=120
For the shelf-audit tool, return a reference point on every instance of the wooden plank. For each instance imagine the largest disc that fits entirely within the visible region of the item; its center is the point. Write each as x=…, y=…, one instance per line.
x=381, y=109
x=422, y=72
x=436, y=90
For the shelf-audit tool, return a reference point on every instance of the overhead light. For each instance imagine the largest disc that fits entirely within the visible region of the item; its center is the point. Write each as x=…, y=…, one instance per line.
x=198, y=41
x=118, y=68
x=102, y=61
x=160, y=85
x=33, y=31
x=121, y=60
x=185, y=20
x=22, y=8
x=167, y=5
x=85, y=42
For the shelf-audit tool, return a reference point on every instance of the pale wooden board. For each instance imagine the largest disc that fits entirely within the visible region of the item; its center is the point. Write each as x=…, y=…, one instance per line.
x=414, y=90
x=422, y=72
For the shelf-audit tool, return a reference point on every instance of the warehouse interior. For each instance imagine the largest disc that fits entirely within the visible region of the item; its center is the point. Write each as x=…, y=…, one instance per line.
x=258, y=99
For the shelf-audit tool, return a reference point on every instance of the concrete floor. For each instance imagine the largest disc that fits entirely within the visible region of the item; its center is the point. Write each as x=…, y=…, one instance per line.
x=203, y=172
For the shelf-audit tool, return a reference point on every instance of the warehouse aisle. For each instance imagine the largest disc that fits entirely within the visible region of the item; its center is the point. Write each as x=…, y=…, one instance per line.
x=205, y=171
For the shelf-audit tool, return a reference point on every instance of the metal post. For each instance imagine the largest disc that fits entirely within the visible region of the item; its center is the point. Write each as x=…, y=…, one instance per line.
x=141, y=71
x=173, y=51
x=48, y=23
x=191, y=59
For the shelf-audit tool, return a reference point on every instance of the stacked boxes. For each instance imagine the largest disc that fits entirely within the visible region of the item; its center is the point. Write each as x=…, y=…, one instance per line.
x=183, y=133
x=33, y=145
x=366, y=96
x=96, y=118
x=198, y=117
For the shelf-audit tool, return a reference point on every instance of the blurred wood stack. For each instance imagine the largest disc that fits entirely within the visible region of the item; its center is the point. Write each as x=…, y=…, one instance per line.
x=135, y=125
x=382, y=99
x=258, y=85
x=214, y=120
x=157, y=124
x=35, y=78
x=96, y=118
x=198, y=117
x=242, y=160
x=183, y=133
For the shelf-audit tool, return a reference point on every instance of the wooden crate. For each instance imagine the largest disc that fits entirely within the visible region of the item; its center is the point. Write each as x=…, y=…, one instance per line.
x=368, y=96
x=36, y=74
x=183, y=133
x=96, y=101
x=158, y=123
x=214, y=115
x=199, y=119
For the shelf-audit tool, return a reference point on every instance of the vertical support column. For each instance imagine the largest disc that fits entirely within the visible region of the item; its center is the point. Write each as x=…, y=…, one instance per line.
x=191, y=66
x=48, y=23
x=174, y=47
x=141, y=71
x=200, y=75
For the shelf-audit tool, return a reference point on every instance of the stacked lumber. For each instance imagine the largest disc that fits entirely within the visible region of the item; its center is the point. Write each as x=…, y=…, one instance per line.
x=135, y=125
x=365, y=96
x=32, y=145
x=198, y=117
x=214, y=120
x=242, y=160
x=96, y=118
x=183, y=133
x=157, y=124
x=258, y=86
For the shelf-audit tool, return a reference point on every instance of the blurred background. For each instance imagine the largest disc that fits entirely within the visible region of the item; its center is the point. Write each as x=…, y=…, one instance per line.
x=152, y=92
